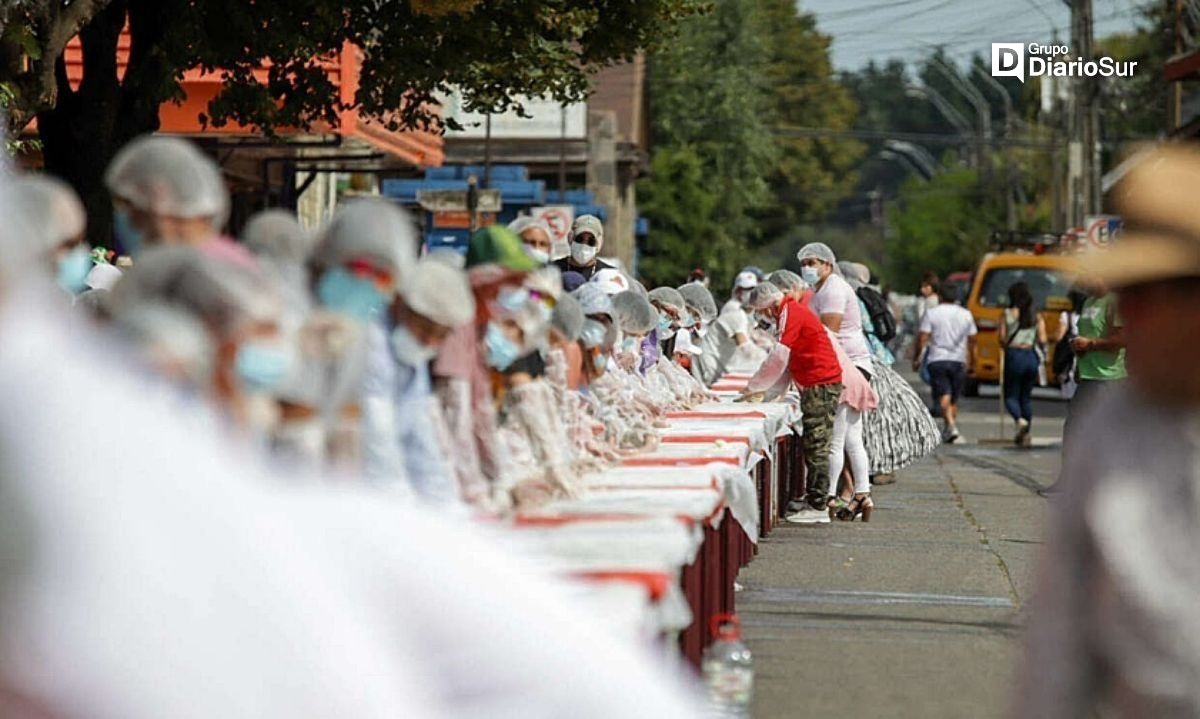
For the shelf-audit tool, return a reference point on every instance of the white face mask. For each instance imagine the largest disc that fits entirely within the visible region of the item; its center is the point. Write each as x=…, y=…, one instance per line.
x=540, y=256
x=583, y=254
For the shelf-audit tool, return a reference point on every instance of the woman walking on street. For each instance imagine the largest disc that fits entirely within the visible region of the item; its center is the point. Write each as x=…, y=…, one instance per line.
x=1022, y=330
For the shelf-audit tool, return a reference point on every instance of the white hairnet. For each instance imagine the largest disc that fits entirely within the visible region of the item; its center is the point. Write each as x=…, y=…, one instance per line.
x=818, y=251
x=787, y=280
x=440, y=293
x=697, y=295
x=277, y=234
x=168, y=336
x=53, y=209
x=857, y=274
x=369, y=228
x=634, y=313
x=593, y=301
x=169, y=176
x=611, y=281
x=765, y=295
x=567, y=317
x=667, y=297
x=638, y=287
x=221, y=295
x=527, y=222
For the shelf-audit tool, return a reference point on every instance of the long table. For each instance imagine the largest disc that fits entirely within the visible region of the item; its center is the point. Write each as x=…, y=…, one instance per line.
x=672, y=527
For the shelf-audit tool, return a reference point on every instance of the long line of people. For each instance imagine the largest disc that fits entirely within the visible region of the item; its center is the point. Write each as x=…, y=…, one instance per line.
x=481, y=384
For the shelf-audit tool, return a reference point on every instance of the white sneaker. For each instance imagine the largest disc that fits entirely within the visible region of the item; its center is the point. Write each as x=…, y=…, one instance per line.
x=952, y=434
x=809, y=515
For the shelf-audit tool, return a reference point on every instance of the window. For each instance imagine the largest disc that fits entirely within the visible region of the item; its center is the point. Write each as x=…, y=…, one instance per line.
x=1043, y=283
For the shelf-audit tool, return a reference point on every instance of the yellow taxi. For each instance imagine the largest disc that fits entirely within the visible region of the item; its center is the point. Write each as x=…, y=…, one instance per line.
x=1041, y=262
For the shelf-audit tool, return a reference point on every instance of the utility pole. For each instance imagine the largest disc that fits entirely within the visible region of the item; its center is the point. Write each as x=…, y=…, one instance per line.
x=1010, y=169
x=1083, y=144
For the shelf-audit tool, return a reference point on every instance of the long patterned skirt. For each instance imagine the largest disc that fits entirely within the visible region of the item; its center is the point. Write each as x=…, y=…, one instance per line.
x=900, y=431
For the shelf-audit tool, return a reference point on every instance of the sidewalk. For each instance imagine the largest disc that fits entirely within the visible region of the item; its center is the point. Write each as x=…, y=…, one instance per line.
x=913, y=615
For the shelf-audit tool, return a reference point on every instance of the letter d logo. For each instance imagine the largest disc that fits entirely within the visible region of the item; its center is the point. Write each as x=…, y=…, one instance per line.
x=1008, y=60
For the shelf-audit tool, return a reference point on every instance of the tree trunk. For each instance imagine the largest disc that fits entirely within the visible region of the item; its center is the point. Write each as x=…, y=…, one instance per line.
x=86, y=127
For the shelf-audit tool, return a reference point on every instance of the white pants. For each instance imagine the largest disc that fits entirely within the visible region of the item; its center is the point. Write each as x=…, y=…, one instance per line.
x=848, y=439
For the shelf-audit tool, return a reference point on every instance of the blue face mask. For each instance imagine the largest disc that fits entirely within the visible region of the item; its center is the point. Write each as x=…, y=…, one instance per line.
x=810, y=274
x=409, y=350
x=131, y=238
x=600, y=362
x=500, y=351
x=73, y=269
x=342, y=292
x=262, y=367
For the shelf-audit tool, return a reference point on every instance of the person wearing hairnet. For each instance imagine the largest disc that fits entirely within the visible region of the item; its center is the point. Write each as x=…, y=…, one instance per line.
x=251, y=357
x=714, y=337
x=344, y=362
x=535, y=234
x=586, y=240
x=672, y=310
x=434, y=301
x=282, y=247
x=564, y=362
x=834, y=302
x=638, y=320
x=814, y=367
x=464, y=366
x=792, y=285
x=165, y=191
x=60, y=222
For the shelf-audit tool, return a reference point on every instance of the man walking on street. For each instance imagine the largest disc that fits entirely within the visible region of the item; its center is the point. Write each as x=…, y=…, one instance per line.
x=949, y=332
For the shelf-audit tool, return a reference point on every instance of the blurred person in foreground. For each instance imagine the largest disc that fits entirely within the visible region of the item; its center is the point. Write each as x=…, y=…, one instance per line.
x=1114, y=628
x=62, y=221
x=165, y=191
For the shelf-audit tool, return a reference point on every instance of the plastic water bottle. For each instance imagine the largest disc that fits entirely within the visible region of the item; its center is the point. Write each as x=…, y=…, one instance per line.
x=728, y=670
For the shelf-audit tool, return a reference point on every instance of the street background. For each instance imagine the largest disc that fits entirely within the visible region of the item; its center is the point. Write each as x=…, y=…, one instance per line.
x=918, y=613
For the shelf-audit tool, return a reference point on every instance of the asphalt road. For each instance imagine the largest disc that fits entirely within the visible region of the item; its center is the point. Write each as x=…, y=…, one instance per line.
x=916, y=614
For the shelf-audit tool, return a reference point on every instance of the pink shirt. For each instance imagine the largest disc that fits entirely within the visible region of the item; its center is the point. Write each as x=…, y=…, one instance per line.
x=856, y=390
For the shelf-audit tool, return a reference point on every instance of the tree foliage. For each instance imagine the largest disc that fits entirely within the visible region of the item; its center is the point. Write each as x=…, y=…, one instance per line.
x=413, y=51
x=720, y=93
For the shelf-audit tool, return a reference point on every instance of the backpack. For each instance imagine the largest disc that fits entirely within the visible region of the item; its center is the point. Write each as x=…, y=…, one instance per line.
x=880, y=313
x=1064, y=356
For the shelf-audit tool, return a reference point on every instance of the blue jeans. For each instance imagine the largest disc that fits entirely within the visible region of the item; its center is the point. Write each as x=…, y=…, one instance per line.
x=1020, y=377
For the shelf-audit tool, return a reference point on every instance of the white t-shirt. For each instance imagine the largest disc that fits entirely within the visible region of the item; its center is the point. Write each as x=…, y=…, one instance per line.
x=949, y=326
x=837, y=297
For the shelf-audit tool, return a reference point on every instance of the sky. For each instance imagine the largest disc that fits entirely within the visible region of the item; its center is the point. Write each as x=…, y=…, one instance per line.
x=863, y=30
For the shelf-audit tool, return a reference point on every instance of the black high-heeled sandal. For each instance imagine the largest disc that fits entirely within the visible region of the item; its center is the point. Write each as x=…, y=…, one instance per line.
x=862, y=505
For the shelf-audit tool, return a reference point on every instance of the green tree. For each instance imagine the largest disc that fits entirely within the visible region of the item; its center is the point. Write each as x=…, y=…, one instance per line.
x=942, y=225
x=413, y=52
x=810, y=174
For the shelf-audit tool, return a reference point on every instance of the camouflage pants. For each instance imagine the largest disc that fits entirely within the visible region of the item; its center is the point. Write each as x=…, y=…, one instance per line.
x=819, y=404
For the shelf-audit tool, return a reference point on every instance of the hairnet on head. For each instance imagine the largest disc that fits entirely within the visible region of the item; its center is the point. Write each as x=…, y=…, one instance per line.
x=52, y=207
x=634, y=313
x=373, y=229
x=638, y=287
x=527, y=222
x=221, y=295
x=593, y=301
x=567, y=317
x=817, y=251
x=667, y=297
x=611, y=281
x=856, y=273
x=787, y=280
x=765, y=295
x=439, y=293
x=169, y=176
x=277, y=234
x=698, y=296
x=168, y=336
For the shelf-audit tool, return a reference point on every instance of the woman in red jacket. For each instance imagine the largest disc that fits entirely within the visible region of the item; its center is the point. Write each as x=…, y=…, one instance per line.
x=815, y=369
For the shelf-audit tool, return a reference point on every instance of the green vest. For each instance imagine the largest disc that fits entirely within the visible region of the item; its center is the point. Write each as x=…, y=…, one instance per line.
x=1096, y=321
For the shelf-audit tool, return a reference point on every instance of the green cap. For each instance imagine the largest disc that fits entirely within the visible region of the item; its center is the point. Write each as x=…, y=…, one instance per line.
x=500, y=246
